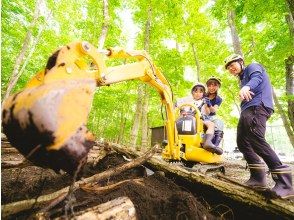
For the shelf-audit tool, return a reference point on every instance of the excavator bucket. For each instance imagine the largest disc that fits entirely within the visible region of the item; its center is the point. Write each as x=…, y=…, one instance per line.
x=46, y=121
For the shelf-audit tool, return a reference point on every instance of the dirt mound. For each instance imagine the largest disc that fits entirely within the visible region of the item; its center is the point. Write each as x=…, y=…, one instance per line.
x=154, y=196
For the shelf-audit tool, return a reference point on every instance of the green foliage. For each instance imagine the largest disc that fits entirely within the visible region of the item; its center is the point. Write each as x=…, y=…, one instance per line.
x=203, y=24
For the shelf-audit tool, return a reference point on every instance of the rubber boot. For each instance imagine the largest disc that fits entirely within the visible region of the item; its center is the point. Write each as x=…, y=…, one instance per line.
x=209, y=146
x=218, y=136
x=257, y=178
x=283, y=178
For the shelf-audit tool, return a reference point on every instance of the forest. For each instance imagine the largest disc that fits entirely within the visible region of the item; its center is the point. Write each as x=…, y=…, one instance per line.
x=188, y=40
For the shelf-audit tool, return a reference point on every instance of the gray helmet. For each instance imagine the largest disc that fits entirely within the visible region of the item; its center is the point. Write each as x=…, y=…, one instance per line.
x=232, y=58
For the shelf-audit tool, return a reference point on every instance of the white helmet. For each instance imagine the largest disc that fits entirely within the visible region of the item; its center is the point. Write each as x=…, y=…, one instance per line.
x=201, y=85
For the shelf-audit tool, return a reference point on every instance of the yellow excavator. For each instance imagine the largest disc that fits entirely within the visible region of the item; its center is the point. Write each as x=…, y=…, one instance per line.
x=46, y=121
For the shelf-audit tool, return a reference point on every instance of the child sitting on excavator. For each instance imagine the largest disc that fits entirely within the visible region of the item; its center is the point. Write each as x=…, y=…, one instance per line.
x=199, y=101
x=213, y=101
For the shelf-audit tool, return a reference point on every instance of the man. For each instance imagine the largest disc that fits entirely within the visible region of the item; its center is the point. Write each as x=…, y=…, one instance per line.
x=256, y=108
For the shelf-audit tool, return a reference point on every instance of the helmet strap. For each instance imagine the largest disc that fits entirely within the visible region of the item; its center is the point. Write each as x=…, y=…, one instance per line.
x=241, y=62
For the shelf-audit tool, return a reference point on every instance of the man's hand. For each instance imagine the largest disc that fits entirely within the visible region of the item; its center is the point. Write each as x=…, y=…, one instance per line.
x=207, y=101
x=245, y=93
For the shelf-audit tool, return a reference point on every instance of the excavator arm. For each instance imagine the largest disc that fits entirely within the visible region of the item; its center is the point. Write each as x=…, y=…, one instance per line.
x=46, y=121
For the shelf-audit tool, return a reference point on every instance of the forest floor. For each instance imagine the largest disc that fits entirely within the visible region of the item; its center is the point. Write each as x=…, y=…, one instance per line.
x=153, y=194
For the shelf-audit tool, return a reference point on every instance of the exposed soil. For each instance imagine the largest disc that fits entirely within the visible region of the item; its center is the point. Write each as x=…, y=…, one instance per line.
x=154, y=196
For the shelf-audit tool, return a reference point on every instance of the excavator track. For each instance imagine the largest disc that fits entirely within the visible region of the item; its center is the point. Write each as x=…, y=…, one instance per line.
x=199, y=167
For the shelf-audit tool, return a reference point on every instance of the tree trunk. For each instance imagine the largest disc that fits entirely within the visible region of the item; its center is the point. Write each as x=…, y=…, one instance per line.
x=284, y=119
x=15, y=73
x=105, y=25
x=144, y=141
x=236, y=44
x=145, y=129
x=234, y=33
x=291, y=6
x=147, y=30
x=194, y=50
x=289, y=63
x=197, y=63
x=32, y=50
x=137, y=117
x=123, y=120
x=290, y=22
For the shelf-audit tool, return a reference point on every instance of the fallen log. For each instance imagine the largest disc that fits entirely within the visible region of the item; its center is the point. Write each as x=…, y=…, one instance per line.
x=16, y=207
x=233, y=191
x=9, y=150
x=119, y=208
x=15, y=164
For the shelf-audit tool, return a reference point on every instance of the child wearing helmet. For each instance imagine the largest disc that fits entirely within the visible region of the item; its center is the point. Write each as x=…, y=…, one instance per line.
x=213, y=101
x=198, y=92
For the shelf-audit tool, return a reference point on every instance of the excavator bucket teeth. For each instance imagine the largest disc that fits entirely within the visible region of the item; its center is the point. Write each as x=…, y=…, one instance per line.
x=46, y=123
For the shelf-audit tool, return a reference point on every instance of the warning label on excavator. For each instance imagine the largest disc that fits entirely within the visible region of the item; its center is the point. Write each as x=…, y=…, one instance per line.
x=187, y=125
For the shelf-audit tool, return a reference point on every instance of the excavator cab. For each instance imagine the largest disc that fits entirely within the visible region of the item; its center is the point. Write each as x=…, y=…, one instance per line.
x=190, y=132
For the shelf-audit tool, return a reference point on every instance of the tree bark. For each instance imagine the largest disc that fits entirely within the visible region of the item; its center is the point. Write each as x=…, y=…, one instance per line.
x=105, y=25
x=289, y=63
x=137, y=117
x=284, y=119
x=145, y=105
x=145, y=129
x=197, y=63
x=32, y=50
x=123, y=121
x=15, y=73
x=290, y=22
x=234, y=33
x=291, y=6
x=236, y=44
x=119, y=208
x=194, y=51
x=15, y=164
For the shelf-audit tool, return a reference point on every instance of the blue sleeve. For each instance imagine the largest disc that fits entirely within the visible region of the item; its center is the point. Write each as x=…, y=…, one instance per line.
x=218, y=101
x=255, y=75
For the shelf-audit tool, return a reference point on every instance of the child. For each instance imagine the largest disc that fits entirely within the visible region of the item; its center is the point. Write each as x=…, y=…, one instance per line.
x=213, y=101
x=199, y=101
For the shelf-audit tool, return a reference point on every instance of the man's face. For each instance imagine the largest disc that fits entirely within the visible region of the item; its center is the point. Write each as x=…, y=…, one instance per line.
x=235, y=68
